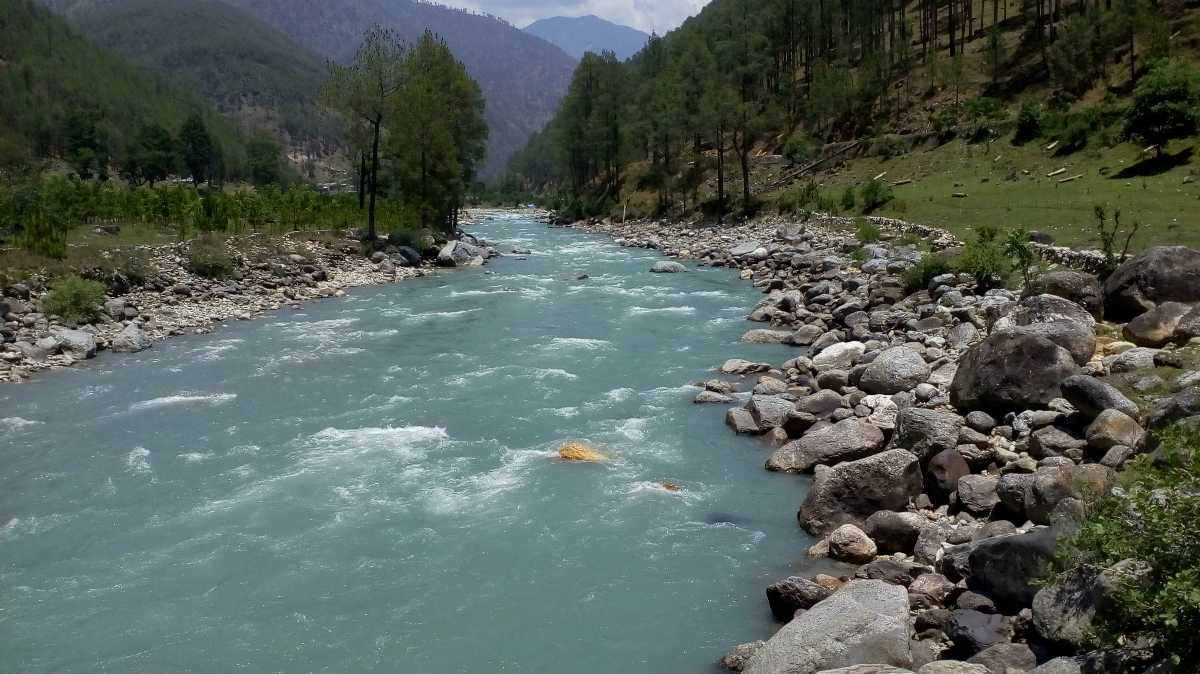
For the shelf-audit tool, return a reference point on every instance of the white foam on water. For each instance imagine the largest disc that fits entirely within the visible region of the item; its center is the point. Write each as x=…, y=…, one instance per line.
x=642, y=311
x=580, y=343
x=183, y=399
x=137, y=461
x=633, y=429
x=478, y=491
x=435, y=315
x=619, y=395
x=244, y=450
x=407, y=442
x=565, y=412
x=551, y=373
x=216, y=350
x=196, y=457
x=17, y=423
x=482, y=293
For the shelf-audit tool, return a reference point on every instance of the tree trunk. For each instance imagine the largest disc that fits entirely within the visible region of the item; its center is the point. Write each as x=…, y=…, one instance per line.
x=721, y=171
x=374, y=180
x=362, y=180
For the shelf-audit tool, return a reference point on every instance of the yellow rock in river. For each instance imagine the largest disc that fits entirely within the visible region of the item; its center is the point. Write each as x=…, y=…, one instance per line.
x=578, y=451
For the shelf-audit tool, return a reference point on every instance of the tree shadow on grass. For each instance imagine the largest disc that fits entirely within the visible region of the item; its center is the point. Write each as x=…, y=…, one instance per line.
x=1156, y=165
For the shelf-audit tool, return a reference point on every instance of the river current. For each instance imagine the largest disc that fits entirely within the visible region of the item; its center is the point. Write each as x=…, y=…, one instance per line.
x=370, y=484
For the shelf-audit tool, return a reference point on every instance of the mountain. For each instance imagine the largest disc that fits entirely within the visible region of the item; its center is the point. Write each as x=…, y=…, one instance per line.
x=522, y=76
x=253, y=73
x=579, y=35
x=54, y=81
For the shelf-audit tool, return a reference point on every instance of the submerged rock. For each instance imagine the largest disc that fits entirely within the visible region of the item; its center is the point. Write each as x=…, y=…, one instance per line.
x=580, y=452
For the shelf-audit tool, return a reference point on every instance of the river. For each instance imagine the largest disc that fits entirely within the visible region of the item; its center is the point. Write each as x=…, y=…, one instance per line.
x=369, y=484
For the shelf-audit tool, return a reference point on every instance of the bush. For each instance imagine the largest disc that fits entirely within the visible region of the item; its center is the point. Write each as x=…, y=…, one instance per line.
x=208, y=257
x=74, y=299
x=799, y=149
x=1029, y=123
x=848, y=199
x=1165, y=104
x=868, y=232
x=1150, y=520
x=876, y=193
x=985, y=260
x=919, y=276
x=796, y=199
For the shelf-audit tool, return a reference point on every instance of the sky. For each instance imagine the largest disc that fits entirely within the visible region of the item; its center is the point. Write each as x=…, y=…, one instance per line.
x=645, y=15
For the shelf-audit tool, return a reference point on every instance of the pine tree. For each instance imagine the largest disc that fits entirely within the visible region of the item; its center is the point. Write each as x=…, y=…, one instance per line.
x=196, y=149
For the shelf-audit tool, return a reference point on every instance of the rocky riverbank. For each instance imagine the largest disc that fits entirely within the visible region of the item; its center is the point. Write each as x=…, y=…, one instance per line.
x=953, y=437
x=270, y=273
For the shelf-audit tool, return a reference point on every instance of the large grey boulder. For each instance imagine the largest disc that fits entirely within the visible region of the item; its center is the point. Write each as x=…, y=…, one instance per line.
x=1076, y=337
x=1082, y=289
x=895, y=531
x=1059, y=666
x=846, y=440
x=792, y=594
x=769, y=411
x=926, y=432
x=839, y=356
x=1114, y=428
x=766, y=336
x=850, y=492
x=1005, y=658
x=1011, y=372
x=1156, y=328
x=895, y=370
x=1004, y=568
x=864, y=622
x=1063, y=612
x=868, y=669
x=1091, y=396
x=952, y=667
x=460, y=254
x=1045, y=309
x=78, y=344
x=1157, y=275
x=667, y=267
x=130, y=340
x=972, y=631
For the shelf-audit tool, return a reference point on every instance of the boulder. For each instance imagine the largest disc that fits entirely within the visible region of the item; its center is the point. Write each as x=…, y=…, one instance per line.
x=1114, y=428
x=1059, y=666
x=1156, y=328
x=1005, y=658
x=1082, y=289
x=865, y=621
x=458, y=254
x=1182, y=405
x=741, y=421
x=977, y=493
x=1091, y=396
x=892, y=571
x=739, y=366
x=1037, y=309
x=131, y=339
x=952, y=667
x=895, y=370
x=851, y=492
x=78, y=344
x=944, y=472
x=972, y=631
x=794, y=594
x=868, y=669
x=840, y=356
x=1063, y=611
x=769, y=411
x=846, y=440
x=1189, y=326
x=848, y=543
x=926, y=432
x=1005, y=568
x=1011, y=372
x=1140, y=358
x=766, y=336
x=1155, y=276
x=736, y=660
x=667, y=267
x=1076, y=337
x=895, y=531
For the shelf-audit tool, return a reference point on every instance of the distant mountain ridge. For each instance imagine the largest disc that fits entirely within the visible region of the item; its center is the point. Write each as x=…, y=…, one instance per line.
x=579, y=35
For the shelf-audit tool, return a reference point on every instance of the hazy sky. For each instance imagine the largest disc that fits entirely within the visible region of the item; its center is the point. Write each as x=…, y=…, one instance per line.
x=646, y=15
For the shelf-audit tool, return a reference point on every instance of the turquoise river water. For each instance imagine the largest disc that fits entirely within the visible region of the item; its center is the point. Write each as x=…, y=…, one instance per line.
x=370, y=484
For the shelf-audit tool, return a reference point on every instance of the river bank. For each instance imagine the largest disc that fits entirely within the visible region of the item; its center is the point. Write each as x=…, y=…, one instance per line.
x=953, y=437
x=270, y=273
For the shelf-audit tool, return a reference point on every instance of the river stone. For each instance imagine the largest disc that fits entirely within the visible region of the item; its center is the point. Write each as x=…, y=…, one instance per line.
x=972, y=631
x=893, y=371
x=1140, y=358
x=1011, y=372
x=850, y=492
x=667, y=267
x=1156, y=328
x=1114, y=428
x=977, y=493
x=1045, y=309
x=1082, y=289
x=78, y=344
x=744, y=249
x=865, y=621
x=1189, y=325
x=1077, y=338
x=736, y=660
x=712, y=397
x=926, y=432
x=739, y=366
x=794, y=594
x=741, y=421
x=766, y=336
x=769, y=411
x=1063, y=611
x=1157, y=275
x=1003, y=567
x=846, y=440
x=131, y=339
x=952, y=667
x=820, y=404
x=868, y=669
x=1059, y=666
x=1005, y=659
x=944, y=472
x=848, y=543
x=895, y=531
x=1091, y=396
x=840, y=356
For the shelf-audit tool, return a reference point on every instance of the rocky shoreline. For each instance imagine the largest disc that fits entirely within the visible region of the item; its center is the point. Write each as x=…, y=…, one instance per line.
x=953, y=438
x=174, y=301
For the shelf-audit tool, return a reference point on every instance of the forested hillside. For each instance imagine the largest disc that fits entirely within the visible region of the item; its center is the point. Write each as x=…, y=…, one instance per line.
x=65, y=97
x=523, y=77
x=582, y=34
x=689, y=121
x=251, y=72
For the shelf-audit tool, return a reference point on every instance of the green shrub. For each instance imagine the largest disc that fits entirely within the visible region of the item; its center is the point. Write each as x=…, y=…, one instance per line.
x=74, y=299
x=919, y=276
x=208, y=257
x=849, y=200
x=876, y=193
x=799, y=149
x=796, y=199
x=1150, y=521
x=1029, y=123
x=867, y=232
x=985, y=260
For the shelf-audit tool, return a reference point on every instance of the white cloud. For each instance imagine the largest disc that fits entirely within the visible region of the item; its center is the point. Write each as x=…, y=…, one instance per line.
x=646, y=15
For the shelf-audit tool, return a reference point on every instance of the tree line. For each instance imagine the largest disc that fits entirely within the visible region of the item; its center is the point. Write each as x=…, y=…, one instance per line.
x=796, y=73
